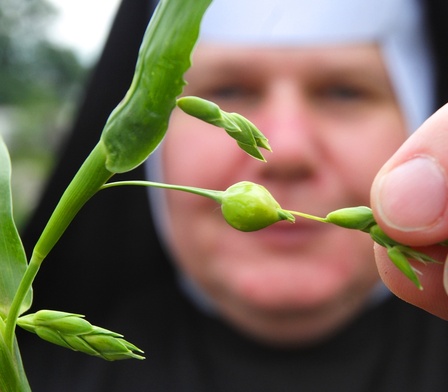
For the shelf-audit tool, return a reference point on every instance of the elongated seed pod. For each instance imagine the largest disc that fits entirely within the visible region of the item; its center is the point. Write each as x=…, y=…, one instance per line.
x=359, y=218
x=202, y=109
x=138, y=124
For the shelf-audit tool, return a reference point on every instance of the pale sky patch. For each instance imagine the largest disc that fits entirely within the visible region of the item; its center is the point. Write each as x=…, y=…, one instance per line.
x=83, y=25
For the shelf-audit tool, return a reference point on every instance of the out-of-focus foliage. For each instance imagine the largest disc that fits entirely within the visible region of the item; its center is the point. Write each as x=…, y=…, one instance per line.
x=39, y=86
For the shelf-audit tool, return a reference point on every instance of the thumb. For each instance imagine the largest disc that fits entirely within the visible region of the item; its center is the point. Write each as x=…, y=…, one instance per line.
x=409, y=195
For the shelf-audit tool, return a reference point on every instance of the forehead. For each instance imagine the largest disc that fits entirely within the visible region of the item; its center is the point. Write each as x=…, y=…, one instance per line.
x=225, y=58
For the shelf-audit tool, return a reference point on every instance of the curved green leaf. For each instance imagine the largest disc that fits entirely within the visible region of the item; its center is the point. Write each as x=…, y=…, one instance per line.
x=13, y=261
x=139, y=123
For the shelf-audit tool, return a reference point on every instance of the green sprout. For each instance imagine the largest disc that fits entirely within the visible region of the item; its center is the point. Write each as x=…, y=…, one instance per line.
x=361, y=218
x=246, y=134
x=72, y=331
x=247, y=206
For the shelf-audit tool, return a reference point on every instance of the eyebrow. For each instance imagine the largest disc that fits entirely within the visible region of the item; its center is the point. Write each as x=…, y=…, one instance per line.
x=240, y=62
x=220, y=70
x=222, y=66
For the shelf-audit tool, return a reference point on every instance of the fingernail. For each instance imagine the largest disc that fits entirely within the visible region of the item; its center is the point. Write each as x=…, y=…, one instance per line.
x=413, y=196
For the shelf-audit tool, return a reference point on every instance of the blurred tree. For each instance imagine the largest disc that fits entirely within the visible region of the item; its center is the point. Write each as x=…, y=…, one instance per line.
x=39, y=85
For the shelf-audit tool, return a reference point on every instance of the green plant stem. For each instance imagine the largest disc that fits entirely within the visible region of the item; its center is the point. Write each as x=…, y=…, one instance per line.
x=87, y=181
x=211, y=194
x=25, y=285
x=84, y=185
x=12, y=374
x=308, y=216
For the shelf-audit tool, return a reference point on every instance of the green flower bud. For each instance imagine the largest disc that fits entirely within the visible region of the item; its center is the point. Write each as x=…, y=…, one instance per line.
x=402, y=263
x=74, y=342
x=249, y=207
x=380, y=237
x=361, y=218
x=246, y=134
x=358, y=218
x=60, y=321
x=50, y=336
x=399, y=254
x=112, y=348
x=201, y=108
x=72, y=331
x=249, y=137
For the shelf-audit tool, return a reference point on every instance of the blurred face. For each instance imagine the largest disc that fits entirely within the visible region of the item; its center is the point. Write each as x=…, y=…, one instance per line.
x=332, y=120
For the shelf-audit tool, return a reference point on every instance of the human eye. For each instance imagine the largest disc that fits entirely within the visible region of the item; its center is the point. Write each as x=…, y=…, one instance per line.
x=342, y=93
x=231, y=95
x=226, y=92
x=342, y=96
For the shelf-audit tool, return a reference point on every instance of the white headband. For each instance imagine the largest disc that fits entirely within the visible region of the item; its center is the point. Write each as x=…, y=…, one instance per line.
x=396, y=25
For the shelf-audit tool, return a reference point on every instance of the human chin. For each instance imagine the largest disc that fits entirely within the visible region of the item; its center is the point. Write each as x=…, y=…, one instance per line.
x=309, y=276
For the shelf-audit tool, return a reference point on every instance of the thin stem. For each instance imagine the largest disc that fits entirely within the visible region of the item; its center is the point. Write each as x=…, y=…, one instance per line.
x=24, y=287
x=211, y=194
x=308, y=216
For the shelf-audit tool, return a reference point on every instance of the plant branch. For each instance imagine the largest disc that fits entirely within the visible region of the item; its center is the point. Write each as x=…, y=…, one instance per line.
x=22, y=290
x=211, y=194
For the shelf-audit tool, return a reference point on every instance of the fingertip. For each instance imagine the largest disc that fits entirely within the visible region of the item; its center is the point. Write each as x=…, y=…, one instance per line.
x=410, y=200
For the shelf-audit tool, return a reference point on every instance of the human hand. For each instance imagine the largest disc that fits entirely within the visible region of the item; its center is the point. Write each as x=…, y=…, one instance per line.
x=410, y=203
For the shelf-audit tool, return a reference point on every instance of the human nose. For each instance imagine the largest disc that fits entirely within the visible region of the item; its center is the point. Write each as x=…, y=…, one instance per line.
x=287, y=119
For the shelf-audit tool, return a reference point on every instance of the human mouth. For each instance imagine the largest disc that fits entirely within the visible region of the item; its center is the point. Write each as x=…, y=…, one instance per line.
x=292, y=235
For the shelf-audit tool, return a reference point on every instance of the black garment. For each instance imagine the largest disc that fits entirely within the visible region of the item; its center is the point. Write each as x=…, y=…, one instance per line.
x=110, y=266
x=394, y=347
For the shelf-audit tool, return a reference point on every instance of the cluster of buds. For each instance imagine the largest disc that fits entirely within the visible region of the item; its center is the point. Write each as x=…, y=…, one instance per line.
x=74, y=332
x=246, y=134
x=361, y=218
x=247, y=206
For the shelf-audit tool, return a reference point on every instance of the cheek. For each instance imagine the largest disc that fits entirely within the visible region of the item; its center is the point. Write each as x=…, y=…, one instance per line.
x=361, y=153
x=192, y=223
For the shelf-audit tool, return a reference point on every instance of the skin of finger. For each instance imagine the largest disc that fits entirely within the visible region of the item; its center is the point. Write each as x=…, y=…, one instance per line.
x=429, y=140
x=432, y=298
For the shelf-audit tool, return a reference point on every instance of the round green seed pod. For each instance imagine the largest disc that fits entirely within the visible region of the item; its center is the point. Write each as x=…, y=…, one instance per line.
x=249, y=207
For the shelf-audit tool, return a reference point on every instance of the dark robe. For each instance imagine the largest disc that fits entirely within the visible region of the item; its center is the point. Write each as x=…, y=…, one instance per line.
x=110, y=266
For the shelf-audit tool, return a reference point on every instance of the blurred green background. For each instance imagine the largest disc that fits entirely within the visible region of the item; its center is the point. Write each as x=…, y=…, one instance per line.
x=40, y=84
